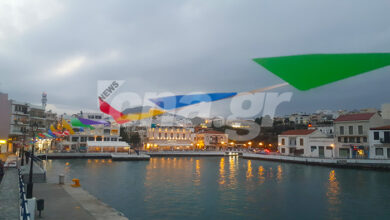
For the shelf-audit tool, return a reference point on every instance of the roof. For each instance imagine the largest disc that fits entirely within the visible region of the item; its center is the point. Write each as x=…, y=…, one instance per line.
x=387, y=127
x=298, y=132
x=355, y=117
x=107, y=144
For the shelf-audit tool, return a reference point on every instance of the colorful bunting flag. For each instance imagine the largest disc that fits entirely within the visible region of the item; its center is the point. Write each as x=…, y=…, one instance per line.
x=77, y=123
x=67, y=126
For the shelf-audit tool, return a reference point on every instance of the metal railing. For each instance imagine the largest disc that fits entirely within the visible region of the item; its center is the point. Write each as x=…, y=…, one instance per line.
x=24, y=213
x=40, y=163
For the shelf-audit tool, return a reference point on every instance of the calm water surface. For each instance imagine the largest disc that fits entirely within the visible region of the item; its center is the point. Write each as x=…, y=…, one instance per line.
x=230, y=188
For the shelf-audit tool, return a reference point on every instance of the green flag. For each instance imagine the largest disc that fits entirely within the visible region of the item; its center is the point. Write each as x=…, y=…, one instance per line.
x=305, y=72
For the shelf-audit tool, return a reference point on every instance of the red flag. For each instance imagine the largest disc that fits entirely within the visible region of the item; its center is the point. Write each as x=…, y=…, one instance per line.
x=108, y=109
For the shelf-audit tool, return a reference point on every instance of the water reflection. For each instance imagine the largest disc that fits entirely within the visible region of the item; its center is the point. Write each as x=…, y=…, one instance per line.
x=261, y=174
x=249, y=174
x=279, y=174
x=233, y=166
x=197, y=173
x=333, y=192
x=222, y=171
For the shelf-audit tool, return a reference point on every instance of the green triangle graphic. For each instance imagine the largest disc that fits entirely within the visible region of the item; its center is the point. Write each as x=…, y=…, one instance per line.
x=312, y=70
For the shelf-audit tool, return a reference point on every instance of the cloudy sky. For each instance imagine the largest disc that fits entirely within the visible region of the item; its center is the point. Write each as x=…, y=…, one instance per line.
x=65, y=47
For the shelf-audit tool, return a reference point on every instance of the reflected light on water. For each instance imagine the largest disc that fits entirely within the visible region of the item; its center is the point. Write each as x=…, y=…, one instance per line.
x=249, y=174
x=197, y=173
x=279, y=174
x=233, y=165
x=333, y=192
x=261, y=174
x=222, y=171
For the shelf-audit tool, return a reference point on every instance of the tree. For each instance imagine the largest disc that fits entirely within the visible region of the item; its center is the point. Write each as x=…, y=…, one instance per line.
x=134, y=138
x=125, y=136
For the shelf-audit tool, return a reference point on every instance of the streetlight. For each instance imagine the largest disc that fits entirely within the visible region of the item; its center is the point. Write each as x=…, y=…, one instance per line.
x=30, y=184
x=24, y=143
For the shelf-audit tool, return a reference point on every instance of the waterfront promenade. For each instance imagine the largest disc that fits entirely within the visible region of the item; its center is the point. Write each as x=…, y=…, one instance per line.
x=61, y=201
x=65, y=202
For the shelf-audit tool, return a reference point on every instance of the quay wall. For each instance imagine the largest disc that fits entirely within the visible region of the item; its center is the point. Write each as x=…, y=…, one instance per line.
x=331, y=162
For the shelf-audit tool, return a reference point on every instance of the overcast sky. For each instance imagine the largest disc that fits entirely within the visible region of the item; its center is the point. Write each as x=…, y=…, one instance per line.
x=65, y=47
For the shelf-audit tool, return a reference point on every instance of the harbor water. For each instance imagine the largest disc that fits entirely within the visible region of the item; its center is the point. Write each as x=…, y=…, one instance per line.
x=229, y=188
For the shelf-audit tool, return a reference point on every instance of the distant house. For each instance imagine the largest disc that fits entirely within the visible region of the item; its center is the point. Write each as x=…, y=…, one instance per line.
x=379, y=141
x=307, y=143
x=351, y=134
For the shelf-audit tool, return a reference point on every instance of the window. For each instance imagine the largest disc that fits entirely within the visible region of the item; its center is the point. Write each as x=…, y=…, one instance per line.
x=358, y=140
x=329, y=148
x=301, y=141
x=83, y=139
x=106, y=139
x=91, y=138
x=379, y=151
x=341, y=129
x=283, y=150
x=114, y=139
x=313, y=148
x=98, y=138
x=339, y=139
x=184, y=136
x=351, y=140
x=106, y=131
x=376, y=135
x=360, y=129
x=345, y=140
x=350, y=129
x=364, y=139
x=283, y=142
x=75, y=139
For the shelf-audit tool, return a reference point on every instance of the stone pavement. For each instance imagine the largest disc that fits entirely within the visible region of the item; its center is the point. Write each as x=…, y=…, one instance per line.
x=9, y=195
x=58, y=203
x=66, y=202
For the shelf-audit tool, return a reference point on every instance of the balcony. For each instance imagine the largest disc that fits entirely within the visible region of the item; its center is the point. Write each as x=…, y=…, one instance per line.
x=384, y=140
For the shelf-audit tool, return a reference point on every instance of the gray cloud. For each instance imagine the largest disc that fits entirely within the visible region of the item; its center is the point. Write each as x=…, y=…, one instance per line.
x=186, y=46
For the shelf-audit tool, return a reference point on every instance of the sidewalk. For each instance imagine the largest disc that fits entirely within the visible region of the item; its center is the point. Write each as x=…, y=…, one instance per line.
x=58, y=203
x=66, y=202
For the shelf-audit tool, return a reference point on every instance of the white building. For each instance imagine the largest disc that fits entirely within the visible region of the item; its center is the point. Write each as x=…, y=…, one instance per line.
x=351, y=134
x=379, y=140
x=168, y=138
x=101, y=133
x=307, y=143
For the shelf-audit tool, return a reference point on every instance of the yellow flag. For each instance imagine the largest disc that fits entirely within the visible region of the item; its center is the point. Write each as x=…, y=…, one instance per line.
x=139, y=116
x=67, y=126
x=52, y=128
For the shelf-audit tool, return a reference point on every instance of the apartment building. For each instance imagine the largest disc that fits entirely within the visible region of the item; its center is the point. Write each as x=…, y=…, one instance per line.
x=351, y=134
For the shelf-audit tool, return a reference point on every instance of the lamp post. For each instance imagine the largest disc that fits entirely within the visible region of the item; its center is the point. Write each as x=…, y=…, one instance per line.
x=24, y=142
x=30, y=182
